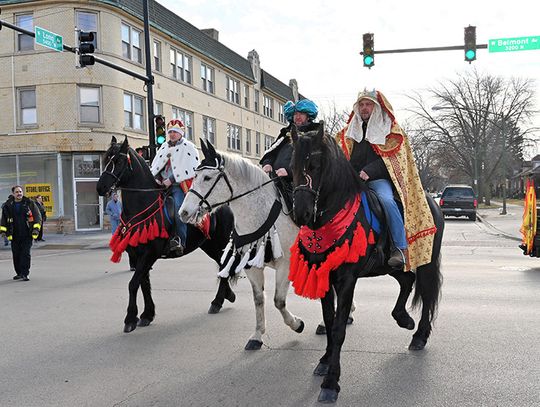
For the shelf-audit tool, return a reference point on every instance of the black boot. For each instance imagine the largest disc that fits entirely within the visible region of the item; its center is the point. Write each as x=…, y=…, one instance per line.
x=397, y=258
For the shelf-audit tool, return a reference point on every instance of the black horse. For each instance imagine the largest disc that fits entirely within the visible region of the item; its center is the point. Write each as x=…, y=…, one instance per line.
x=324, y=183
x=143, y=201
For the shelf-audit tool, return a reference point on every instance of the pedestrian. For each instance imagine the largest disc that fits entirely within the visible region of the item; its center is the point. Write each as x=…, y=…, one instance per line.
x=6, y=241
x=114, y=210
x=276, y=161
x=379, y=151
x=174, y=167
x=21, y=222
x=43, y=213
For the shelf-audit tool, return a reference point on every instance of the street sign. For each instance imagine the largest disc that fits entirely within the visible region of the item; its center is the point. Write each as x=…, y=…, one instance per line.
x=514, y=44
x=49, y=39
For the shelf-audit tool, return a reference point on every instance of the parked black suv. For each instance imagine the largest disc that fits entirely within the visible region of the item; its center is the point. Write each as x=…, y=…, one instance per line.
x=459, y=200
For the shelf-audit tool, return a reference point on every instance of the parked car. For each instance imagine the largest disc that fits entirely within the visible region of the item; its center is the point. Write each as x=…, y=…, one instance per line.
x=459, y=200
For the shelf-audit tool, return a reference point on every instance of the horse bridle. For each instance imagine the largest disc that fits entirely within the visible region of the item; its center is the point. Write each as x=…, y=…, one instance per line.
x=219, y=167
x=308, y=187
x=111, y=173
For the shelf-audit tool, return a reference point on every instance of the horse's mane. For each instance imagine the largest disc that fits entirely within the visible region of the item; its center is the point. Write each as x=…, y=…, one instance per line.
x=242, y=168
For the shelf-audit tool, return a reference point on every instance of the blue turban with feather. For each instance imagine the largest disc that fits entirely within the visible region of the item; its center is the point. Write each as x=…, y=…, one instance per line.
x=303, y=106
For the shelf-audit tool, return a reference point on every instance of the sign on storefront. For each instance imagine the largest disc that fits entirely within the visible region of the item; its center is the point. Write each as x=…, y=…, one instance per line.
x=46, y=191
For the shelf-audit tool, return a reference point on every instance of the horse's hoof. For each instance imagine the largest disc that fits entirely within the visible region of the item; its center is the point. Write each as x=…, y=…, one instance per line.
x=321, y=369
x=231, y=297
x=253, y=344
x=144, y=322
x=417, y=344
x=130, y=327
x=214, y=309
x=350, y=320
x=327, y=396
x=300, y=329
x=404, y=320
x=321, y=330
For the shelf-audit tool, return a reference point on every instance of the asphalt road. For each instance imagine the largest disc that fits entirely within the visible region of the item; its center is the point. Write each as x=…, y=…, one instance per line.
x=63, y=345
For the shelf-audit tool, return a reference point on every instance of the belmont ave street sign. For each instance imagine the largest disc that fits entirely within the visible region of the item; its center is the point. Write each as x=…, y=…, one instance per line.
x=49, y=39
x=514, y=44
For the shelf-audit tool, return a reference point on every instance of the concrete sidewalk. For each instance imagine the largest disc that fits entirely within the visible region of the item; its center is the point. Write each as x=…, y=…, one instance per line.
x=505, y=225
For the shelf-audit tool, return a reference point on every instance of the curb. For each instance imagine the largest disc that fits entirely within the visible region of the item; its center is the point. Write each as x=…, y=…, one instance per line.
x=495, y=229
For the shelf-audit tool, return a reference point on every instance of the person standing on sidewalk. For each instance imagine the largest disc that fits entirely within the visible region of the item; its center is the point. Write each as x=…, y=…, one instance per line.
x=43, y=213
x=114, y=210
x=21, y=222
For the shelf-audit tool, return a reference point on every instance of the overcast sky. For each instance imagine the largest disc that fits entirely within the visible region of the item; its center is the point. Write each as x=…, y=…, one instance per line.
x=318, y=42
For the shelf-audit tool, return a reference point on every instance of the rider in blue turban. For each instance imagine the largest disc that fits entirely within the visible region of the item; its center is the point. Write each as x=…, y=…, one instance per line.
x=276, y=161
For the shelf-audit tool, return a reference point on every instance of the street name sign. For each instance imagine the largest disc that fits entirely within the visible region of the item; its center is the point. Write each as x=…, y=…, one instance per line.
x=514, y=44
x=49, y=39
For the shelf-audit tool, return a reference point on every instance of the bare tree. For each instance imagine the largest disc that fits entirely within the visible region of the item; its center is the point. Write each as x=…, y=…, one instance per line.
x=480, y=121
x=334, y=119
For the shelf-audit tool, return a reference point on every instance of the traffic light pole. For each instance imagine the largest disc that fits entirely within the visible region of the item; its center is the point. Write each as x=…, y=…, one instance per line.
x=400, y=51
x=149, y=83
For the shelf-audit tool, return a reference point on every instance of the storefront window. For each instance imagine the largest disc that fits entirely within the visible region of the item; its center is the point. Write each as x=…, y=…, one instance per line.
x=67, y=176
x=38, y=175
x=87, y=166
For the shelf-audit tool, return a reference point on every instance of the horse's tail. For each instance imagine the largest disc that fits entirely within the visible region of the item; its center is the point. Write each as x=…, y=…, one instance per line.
x=429, y=278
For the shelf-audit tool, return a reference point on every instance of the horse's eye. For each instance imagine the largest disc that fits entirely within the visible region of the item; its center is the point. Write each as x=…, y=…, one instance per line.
x=206, y=178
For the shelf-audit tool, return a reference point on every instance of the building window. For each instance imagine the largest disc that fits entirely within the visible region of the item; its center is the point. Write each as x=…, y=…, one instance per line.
x=207, y=77
x=257, y=144
x=234, y=141
x=246, y=96
x=25, y=42
x=233, y=90
x=131, y=43
x=256, y=101
x=209, y=129
x=88, y=22
x=157, y=56
x=248, y=141
x=27, y=107
x=268, y=140
x=268, y=106
x=89, y=104
x=133, y=111
x=158, y=107
x=187, y=119
x=180, y=65
x=281, y=113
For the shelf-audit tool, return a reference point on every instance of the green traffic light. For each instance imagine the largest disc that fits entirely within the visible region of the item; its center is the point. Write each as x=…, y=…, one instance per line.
x=368, y=60
x=160, y=139
x=470, y=54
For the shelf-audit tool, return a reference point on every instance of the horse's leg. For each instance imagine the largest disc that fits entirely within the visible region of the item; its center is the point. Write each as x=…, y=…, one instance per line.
x=256, y=278
x=344, y=284
x=428, y=285
x=329, y=313
x=280, y=296
x=149, y=312
x=224, y=293
x=321, y=329
x=130, y=322
x=400, y=314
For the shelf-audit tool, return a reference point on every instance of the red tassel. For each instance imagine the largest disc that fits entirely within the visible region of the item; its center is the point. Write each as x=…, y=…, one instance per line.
x=134, y=240
x=123, y=244
x=143, y=238
x=164, y=234
x=155, y=229
x=115, y=239
x=116, y=257
x=371, y=238
x=310, y=288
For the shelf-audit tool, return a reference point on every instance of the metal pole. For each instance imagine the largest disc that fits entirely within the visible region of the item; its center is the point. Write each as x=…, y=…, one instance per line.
x=149, y=83
x=503, y=212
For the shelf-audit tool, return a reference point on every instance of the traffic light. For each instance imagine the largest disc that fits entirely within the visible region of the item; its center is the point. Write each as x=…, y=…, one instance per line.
x=369, y=58
x=86, y=47
x=159, y=122
x=470, y=43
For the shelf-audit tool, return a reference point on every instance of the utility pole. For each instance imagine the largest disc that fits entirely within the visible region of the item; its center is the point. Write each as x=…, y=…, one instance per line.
x=503, y=211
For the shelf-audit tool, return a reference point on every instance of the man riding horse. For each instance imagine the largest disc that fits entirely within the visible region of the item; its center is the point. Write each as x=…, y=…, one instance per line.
x=174, y=167
x=379, y=151
x=277, y=159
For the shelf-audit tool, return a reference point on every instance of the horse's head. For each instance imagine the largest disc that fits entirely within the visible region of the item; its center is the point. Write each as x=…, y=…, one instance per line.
x=117, y=163
x=307, y=167
x=210, y=186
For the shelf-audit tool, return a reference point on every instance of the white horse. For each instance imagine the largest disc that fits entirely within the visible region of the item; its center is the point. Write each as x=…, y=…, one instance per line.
x=224, y=178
